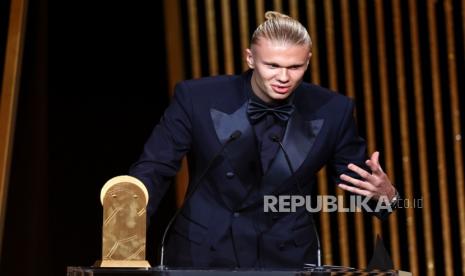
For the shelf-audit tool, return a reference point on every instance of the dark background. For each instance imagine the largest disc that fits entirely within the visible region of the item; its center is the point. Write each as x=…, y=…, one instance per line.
x=93, y=86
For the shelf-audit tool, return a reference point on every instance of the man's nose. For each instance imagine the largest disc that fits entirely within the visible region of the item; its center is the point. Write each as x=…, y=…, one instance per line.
x=283, y=75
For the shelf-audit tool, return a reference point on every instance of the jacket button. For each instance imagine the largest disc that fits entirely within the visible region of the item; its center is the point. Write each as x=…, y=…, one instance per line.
x=229, y=174
x=281, y=246
x=236, y=214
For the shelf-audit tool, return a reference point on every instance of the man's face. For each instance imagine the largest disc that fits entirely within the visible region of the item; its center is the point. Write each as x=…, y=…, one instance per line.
x=278, y=68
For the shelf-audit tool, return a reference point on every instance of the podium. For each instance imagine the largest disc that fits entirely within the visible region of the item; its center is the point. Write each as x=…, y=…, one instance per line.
x=124, y=200
x=95, y=271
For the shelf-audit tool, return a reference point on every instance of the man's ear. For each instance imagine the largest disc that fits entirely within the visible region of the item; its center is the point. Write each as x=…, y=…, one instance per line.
x=309, y=57
x=249, y=58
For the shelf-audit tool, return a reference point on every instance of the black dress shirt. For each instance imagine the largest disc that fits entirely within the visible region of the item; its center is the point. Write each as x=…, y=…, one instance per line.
x=266, y=128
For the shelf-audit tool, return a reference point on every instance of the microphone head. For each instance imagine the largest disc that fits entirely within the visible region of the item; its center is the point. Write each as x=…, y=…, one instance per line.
x=236, y=134
x=274, y=137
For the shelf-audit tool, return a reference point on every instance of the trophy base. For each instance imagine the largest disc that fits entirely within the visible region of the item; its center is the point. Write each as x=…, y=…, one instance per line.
x=122, y=263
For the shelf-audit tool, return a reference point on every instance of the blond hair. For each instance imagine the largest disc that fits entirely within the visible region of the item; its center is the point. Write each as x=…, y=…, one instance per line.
x=279, y=27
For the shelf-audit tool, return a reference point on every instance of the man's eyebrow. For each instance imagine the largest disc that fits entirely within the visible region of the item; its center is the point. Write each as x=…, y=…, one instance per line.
x=290, y=66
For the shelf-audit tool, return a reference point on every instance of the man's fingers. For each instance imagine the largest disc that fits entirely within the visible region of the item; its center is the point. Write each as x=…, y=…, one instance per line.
x=357, y=182
x=375, y=169
x=375, y=157
x=375, y=183
x=355, y=190
x=366, y=175
x=373, y=163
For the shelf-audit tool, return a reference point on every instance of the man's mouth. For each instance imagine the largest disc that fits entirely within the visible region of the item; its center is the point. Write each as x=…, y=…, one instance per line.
x=280, y=89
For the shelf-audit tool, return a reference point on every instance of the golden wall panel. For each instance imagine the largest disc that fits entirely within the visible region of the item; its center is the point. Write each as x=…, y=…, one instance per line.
x=386, y=121
x=333, y=84
x=368, y=90
x=455, y=117
x=350, y=92
x=211, y=37
x=404, y=133
x=440, y=143
x=402, y=62
x=9, y=97
x=421, y=137
x=227, y=37
x=194, y=38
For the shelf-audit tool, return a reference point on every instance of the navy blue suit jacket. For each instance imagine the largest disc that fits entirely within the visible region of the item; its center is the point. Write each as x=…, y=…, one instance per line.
x=223, y=224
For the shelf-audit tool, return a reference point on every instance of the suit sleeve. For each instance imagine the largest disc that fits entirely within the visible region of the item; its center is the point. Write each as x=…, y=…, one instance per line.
x=351, y=148
x=169, y=141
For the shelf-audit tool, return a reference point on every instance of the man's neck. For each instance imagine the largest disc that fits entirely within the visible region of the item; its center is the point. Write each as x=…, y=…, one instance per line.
x=260, y=97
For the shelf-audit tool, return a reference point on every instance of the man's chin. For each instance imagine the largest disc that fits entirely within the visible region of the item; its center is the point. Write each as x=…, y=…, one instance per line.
x=280, y=96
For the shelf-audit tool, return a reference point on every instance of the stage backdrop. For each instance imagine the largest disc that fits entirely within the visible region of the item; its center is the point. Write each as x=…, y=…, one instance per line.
x=401, y=61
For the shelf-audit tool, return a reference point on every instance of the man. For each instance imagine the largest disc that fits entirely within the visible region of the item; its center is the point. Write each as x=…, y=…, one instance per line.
x=262, y=133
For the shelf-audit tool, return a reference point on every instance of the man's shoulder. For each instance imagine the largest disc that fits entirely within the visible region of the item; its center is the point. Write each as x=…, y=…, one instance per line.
x=321, y=96
x=220, y=91
x=212, y=83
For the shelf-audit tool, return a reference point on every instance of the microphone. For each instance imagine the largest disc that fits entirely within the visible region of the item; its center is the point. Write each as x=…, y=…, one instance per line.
x=235, y=135
x=318, y=252
x=276, y=139
x=319, y=269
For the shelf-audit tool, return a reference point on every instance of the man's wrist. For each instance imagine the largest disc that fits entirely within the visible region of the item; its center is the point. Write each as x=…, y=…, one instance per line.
x=391, y=194
x=395, y=199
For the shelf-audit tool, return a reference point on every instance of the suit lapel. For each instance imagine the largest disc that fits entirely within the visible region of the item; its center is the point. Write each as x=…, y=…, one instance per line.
x=298, y=141
x=242, y=154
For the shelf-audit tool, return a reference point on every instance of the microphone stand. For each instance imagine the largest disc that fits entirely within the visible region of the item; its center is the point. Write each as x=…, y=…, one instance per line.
x=276, y=139
x=235, y=135
x=319, y=269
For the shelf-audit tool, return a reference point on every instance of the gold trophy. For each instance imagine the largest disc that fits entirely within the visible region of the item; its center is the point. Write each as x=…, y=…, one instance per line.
x=124, y=199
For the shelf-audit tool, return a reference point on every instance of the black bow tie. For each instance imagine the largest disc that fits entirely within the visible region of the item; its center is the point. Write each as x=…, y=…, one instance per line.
x=258, y=110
